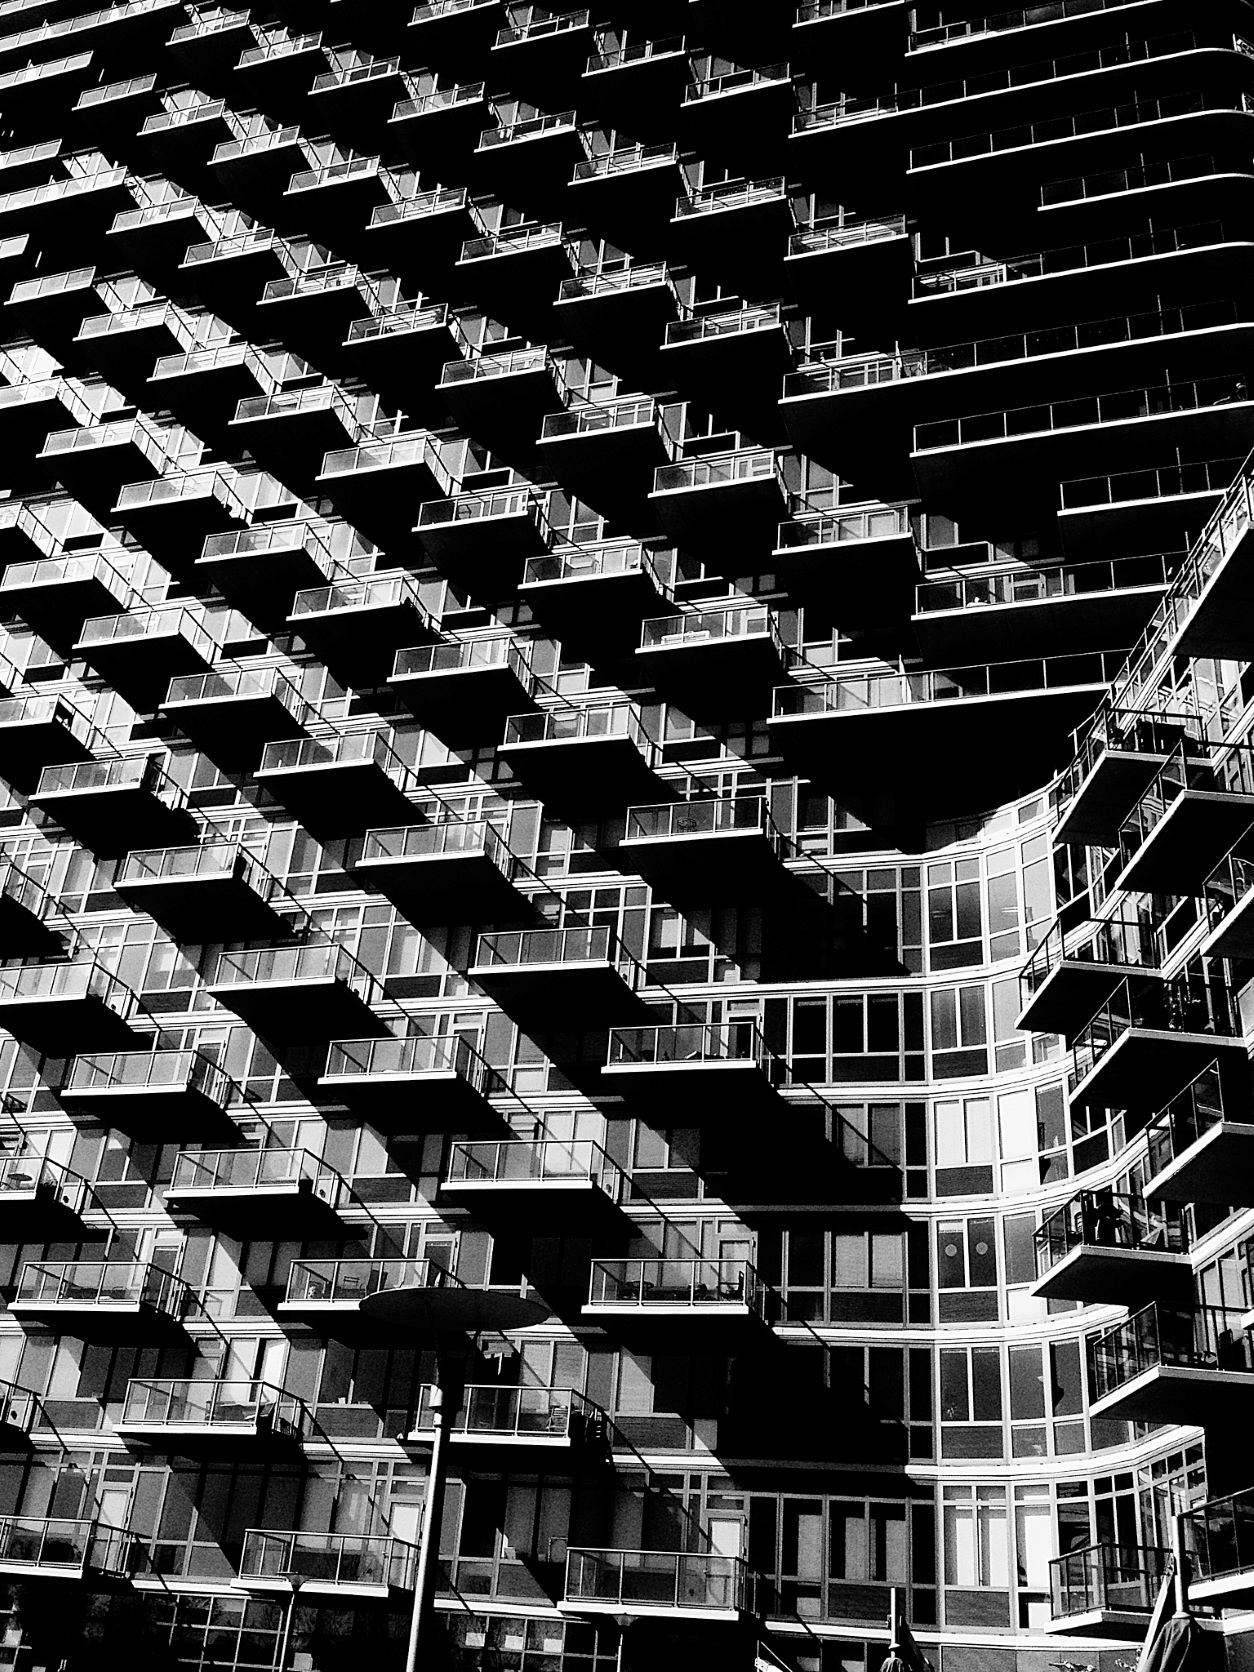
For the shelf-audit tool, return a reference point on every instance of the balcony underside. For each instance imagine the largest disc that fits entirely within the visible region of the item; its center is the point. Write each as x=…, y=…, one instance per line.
x=1165, y=523
x=141, y=668
x=426, y=1100
x=446, y=888
x=359, y=643
x=714, y=675
x=1081, y=621
x=862, y=581
x=110, y=822
x=174, y=531
x=723, y=371
x=622, y=328
x=233, y=730
x=705, y=859
x=1218, y=1167
x=610, y=469
x=1116, y=782
x=507, y=411
x=741, y=240
x=258, y=1211
x=1145, y=1067
x=42, y=1214
x=729, y=524
x=714, y=1091
x=1221, y=622
x=1074, y=990
x=246, y=1440
x=50, y=1024
x=400, y=365
x=27, y=746
x=262, y=584
x=345, y=1592
x=84, y=1320
x=592, y=771
x=1123, y=1624
x=339, y=798
x=322, y=1008
x=1188, y=842
x=1227, y=1590
x=291, y=445
x=196, y=910
x=464, y=705
x=1180, y=1393
x=165, y=1114
x=57, y=609
x=1233, y=934
x=1117, y=1276
x=574, y=1204
x=589, y=993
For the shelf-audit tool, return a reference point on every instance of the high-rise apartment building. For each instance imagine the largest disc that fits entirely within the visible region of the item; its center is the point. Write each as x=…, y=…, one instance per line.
x=627, y=820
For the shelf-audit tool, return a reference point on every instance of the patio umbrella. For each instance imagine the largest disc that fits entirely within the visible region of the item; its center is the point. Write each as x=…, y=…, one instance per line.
x=1180, y=1646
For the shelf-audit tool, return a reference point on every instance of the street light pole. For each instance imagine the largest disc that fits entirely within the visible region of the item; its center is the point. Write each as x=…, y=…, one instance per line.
x=289, y=1618
x=444, y=1402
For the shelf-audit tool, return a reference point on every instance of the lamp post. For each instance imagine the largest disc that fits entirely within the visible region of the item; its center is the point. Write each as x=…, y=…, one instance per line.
x=289, y=1620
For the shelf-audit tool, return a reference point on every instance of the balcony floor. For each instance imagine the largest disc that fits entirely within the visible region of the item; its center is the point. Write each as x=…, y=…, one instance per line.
x=1187, y=843
x=1118, y=1276
x=1114, y=785
x=1071, y=994
x=1215, y=1168
x=446, y=888
x=1127, y=1625
x=1145, y=1067
x=1180, y=1393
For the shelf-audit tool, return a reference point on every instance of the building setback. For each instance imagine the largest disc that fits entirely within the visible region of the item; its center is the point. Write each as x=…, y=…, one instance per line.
x=626, y=833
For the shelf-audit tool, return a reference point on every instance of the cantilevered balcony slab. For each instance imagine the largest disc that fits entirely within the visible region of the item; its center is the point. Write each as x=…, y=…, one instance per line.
x=115, y=804
x=42, y=1201
x=602, y=748
x=528, y=161
x=595, y=596
x=47, y=1006
x=381, y=1297
x=557, y=976
x=432, y=1082
x=420, y=238
x=231, y=272
x=343, y=1568
x=453, y=35
x=669, y=1295
x=55, y=595
x=233, y=713
x=714, y=1071
x=571, y=1181
x=726, y=507
x=340, y=784
x=735, y=227
x=869, y=261
x=203, y=387
x=102, y=1300
x=464, y=690
x=140, y=651
x=1217, y=624
x=357, y=626
x=258, y=1192
x=57, y=1548
x=1169, y=1365
x=213, y=891
x=1107, y=1247
x=459, y=871
x=38, y=731
x=1159, y=508
x=606, y=452
x=1119, y=758
x=260, y=569
x=1105, y=1590
x=291, y=431
x=657, y=1584
x=172, y=516
x=629, y=190
x=1071, y=975
x=1200, y=1147
x=30, y=926
x=503, y=398
x=638, y=84
x=1150, y=1038
x=444, y=120
x=861, y=563
x=162, y=1094
x=496, y=1421
x=400, y=354
x=618, y=315
x=1177, y=834
x=705, y=843
x=192, y=1417
x=307, y=992
x=1221, y=1557
x=725, y=656
x=481, y=539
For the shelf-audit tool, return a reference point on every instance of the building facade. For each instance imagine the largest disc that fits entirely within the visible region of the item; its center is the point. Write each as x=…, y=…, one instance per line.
x=673, y=575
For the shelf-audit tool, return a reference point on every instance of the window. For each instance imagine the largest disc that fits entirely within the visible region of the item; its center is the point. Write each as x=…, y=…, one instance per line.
x=971, y=1402
x=977, y=1549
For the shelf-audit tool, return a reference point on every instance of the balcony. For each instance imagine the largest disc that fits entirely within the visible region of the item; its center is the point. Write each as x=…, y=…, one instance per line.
x=1228, y=902
x=1150, y=1038
x=869, y=260
x=645, y=1584
x=565, y=976
x=171, y=516
x=482, y=537
x=454, y=32
x=116, y=110
x=734, y=230
x=290, y=993
x=731, y=359
x=628, y=190
x=440, y=121
x=600, y=748
x=1156, y=508
x=233, y=713
x=605, y=451
x=958, y=460
x=101, y=1299
x=27, y=412
x=682, y=1064
x=465, y=690
x=723, y=656
x=528, y=161
x=1219, y=1536
x=338, y=785
x=1084, y=605
x=350, y=98
x=1119, y=757
x=861, y=563
x=256, y=1193
x=91, y=461
x=595, y=595
x=116, y=804
x=1105, y=1590
x=55, y=595
x=157, y=1094
x=52, y=306
x=259, y=569
x=290, y=432
x=517, y=1419
x=618, y=314
x=513, y=275
x=1186, y=820
x=1219, y=590
x=41, y=1200
x=430, y=1081
x=337, y=198
x=276, y=72
x=48, y=1005
x=541, y=56
x=1172, y=1365
x=121, y=346
x=503, y=399
x=380, y=1296
x=138, y=652
x=698, y=1293
x=57, y=1548
x=566, y=1179
x=356, y=627
x=333, y=1567
x=741, y=115
x=186, y=1417
x=1107, y=1246
x=399, y=353
x=210, y=46
x=726, y=500
x=1200, y=1145
x=705, y=843
x=1014, y=716
x=456, y=871
x=28, y=917
x=38, y=731
x=420, y=238
x=1073, y=972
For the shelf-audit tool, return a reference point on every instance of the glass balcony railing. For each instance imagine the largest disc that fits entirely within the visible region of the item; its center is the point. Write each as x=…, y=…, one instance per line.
x=450, y=837
x=238, y=685
x=850, y=234
x=538, y=1161
x=750, y=464
x=1025, y=17
x=835, y=528
x=1115, y=942
x=257, y=238
x=626, y=159
x=735, y=81
x=1108, y=1219
x=741, y=321
x=1153, y=482
x=528, y=127
x=35, y=1175
x=613, y=281
x=1219, y=1536
x=38, y=710
x=689, y=1044
x=492, y=1412
x=684, y=1285
x=600, y=561
x=285, y=536
x=328, y=1560
x=1110, y=182
x=279, y=46
x=291, y=966
x=1163, y=1337
x=350, y=1060
x=103, y=1283
x=465, y=656
x=186, y=116
x=542, y=26
x=347, y=1282
x=54, y=1544
x=671, y=821
x=81, y=979
x=318, y=397
x=596, y=417
x=303, y=754
x=313, y=281
x=1190, y=1115
x=370, y=592
x=712, y=626
x=232, y=150
x=149, y=1071
x=123, y=772
x=439, y=98
x=65, y=571
x=161, y=621
x=732, y=194
x=541, y=948
x=1106, y=1578
x=354, y=75
x=1183, y=1004
x=234, y=1170
x=635, y=52
x=442, y=200
x=624, y=1581
x=859, y=693
x=1228, y=886
x=180, y=1402
x=1032, y=586
x=406, y=316
x=334, y=174
x=1071, y=258
x=482, y=367
x=482, y=505
x=588, y=722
